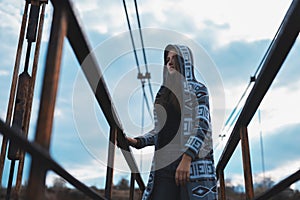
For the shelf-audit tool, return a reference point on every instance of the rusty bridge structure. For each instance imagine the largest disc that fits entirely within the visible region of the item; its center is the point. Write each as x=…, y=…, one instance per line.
x=65, y=25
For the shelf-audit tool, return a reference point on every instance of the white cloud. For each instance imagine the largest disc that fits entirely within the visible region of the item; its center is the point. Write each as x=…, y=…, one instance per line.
x=274, y=113
x=251, y=20
x=58, y=113
x=84, y=173
x=2, y=115
x=230, y=20
x=226, y=21
x=101, y=16
x=245, y=20
x=282, y=171
x=90, y=171
x=10, y=14
x=4, y=72
x=276, y=175
x=233, y=19
x=277, y=110
x=277, y=113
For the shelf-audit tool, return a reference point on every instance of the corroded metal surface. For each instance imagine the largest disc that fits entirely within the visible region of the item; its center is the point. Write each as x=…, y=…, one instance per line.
x=279, y=49
x=246, y=163
x=13, y=88
x=36, y=182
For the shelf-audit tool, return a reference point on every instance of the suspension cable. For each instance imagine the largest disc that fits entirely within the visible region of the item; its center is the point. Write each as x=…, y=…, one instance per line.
x=234, y=111
x=261, y=147
x=143, y=49
x=252, y=79
x=136, y=58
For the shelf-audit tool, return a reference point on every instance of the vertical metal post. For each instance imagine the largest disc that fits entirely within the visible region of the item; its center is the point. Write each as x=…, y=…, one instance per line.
x=246, y=162
x=13, y=88
x=36, y=182
x=30, y=97
x=10, y=179
x=222, y=193
x=132, y=181
x=110, y=162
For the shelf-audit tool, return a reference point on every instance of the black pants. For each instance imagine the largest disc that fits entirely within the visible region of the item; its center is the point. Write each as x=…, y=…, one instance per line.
x=165, y=188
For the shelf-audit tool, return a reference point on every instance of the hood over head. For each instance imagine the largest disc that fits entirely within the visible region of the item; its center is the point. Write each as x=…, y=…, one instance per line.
x=184, y=59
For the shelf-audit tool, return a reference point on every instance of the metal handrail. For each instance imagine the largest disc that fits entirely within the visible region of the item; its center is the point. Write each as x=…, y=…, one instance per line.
x=43, y=155
x=279, y=50
x=66, y=25
x=279, y=187
x=82, y=50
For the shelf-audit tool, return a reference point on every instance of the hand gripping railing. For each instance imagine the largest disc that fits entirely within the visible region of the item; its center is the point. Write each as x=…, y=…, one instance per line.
x=66, y=25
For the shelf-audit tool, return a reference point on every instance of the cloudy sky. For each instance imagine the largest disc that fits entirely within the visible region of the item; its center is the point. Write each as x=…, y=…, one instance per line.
x=230, y=37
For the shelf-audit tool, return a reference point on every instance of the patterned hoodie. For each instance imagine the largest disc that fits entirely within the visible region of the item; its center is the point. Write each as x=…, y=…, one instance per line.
x=194, y=135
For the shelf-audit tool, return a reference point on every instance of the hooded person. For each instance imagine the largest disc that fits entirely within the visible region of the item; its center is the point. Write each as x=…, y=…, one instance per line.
x=183, y=164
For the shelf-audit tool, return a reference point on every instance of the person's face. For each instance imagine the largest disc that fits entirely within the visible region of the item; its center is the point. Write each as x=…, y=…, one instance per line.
x=172, y=63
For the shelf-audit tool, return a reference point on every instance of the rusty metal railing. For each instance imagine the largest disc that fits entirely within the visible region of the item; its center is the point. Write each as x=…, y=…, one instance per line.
x=273, y=61
x=66, y=25
x=22, y=89
x=39, y=153
x=279, y=187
